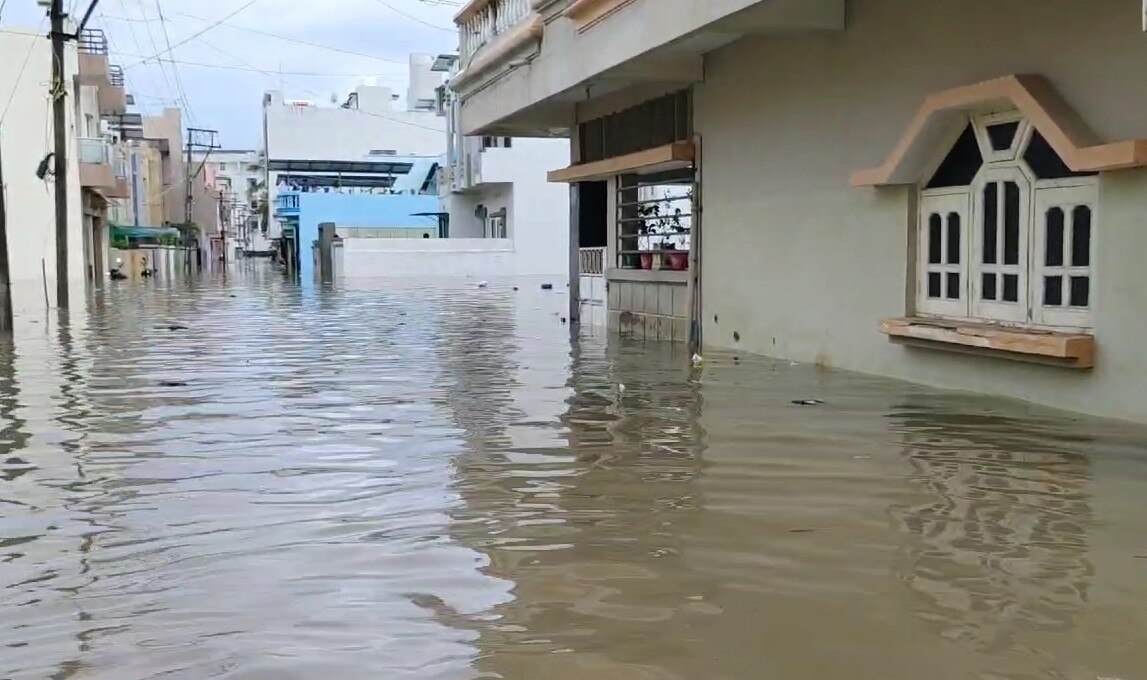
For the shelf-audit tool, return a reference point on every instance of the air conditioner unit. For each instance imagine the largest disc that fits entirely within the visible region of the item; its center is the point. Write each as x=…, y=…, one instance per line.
x=481, y=211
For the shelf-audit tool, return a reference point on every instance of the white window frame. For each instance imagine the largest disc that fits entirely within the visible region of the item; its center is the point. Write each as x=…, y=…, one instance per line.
x=944, y=202
x=1036, y=198
x=998, y=309
x=1067, y=197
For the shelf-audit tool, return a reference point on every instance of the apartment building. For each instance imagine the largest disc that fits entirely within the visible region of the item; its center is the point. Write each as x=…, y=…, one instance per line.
x=25, y=143
x=945, y=192
x=239, y=174
x=495, y=187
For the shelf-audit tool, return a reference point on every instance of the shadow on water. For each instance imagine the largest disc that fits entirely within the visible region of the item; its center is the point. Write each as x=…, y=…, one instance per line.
x=243, y=479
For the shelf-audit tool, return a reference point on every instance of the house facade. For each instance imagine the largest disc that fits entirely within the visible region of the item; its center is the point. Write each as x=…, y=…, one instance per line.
x=494, y=187
x=947, y=193
x=25, y=142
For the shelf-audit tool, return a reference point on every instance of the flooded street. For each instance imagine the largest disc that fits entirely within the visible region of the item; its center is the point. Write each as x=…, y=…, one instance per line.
x=393, y=480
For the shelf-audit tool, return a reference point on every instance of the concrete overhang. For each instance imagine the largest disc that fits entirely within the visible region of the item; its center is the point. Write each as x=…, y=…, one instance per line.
x=577, y=58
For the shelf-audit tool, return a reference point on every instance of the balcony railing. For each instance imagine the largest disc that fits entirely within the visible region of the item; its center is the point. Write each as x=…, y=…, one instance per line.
x=94, y=151
x=484, y=20
x=591, y=261
x=92, y=41
x=115, y=75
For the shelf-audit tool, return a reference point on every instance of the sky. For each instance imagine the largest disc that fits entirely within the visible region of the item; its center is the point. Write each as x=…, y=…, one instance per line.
x=219, y=76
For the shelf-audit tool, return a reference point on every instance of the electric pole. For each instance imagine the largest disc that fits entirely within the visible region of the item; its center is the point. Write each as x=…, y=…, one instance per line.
x=5, y=279
x=60, y=152
x=201, y=140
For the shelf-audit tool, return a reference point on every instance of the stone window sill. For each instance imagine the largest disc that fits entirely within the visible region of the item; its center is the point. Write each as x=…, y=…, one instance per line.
x=1068, y=350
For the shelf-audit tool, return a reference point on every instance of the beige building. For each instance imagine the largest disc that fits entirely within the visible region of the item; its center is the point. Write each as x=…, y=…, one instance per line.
x=945, y=192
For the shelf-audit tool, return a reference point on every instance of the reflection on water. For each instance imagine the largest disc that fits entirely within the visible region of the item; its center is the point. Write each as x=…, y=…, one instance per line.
x=432, y=481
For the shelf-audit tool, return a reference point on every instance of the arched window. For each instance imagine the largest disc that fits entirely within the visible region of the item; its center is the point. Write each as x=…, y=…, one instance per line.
x=1006, y=230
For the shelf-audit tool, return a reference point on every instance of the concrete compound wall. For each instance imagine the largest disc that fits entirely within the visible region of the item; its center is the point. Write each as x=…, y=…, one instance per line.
x=802, y=266
x=454, y=257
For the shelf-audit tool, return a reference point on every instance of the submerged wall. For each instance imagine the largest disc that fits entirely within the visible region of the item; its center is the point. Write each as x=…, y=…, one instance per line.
x=800, y=265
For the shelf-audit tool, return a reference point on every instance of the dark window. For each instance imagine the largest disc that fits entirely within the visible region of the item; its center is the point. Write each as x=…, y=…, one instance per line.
x=988, y=284
x=1002, y=135
x=653, y=123
x=1011, y=223
x=953, y=238
x=935, y=239
x=953, y=283
x=1080, y=291
x=487, y=142
x=990, y=197
x=1081, y=236
x=934, y=281
x=1053, y=255
x=1011, y=288
x=507, y=142
x=1045, y=162
x=1053, y=291
x=961, y=164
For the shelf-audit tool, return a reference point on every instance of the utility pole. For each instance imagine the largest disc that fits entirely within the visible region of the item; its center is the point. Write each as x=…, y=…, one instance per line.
x=201, y=140
x=5, y=278
x=59, y=91
x=60, y=152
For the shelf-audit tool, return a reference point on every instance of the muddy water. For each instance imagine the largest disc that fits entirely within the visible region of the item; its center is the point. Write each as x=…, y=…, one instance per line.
x=396, y=481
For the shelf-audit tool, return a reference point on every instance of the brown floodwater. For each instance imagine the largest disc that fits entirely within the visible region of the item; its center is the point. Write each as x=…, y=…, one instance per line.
x=394, y=480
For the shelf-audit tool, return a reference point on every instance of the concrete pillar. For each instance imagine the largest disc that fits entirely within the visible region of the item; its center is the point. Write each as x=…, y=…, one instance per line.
x=326, y=261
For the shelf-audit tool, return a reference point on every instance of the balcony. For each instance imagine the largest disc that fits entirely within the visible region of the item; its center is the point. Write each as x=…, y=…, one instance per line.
x=95, y=70
x=490, y=31
x=101, y=169
x=600, y=51
x=287, y=205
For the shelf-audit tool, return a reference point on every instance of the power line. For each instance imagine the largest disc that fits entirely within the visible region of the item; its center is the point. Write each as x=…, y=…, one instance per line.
x=316, y=94
x=278, y=36
x=23, y=67
x=251, y=69
x=394, y=9
x=193, y=36
x=174, y=69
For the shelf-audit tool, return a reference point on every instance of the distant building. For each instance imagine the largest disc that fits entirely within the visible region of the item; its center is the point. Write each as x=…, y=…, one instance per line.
x=239, y=176
x=368, y=145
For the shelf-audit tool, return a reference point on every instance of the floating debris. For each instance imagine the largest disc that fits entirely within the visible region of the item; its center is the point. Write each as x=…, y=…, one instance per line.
x=698, y=359
x=176, y=327
x=620, y=387
x=808, y=402
x=563, y=320
x=801, y=531
x=515, y=288
x=172, y=383
x=483, y=284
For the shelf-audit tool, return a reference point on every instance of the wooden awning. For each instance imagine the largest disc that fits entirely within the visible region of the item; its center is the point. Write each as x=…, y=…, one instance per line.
x=674, y=156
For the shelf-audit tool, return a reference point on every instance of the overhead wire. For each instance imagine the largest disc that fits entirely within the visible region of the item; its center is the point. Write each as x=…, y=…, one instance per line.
x=139, y=48
x=213, y=24
x=174, y=68
x=278, y=36
x=316, y=94
x=23, y=66
x=394, y=9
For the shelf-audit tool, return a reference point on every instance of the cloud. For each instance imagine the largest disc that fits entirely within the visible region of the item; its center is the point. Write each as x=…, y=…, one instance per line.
x=230, y=99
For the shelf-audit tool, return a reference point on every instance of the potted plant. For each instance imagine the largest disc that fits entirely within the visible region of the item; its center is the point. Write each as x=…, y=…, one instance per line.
x=676, y=243
x=649, y=239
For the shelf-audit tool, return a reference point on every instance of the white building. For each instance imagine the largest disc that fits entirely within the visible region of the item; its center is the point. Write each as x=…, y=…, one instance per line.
x=240, y=173
x=353, y=140
x=25, y=141
x=496, y=188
